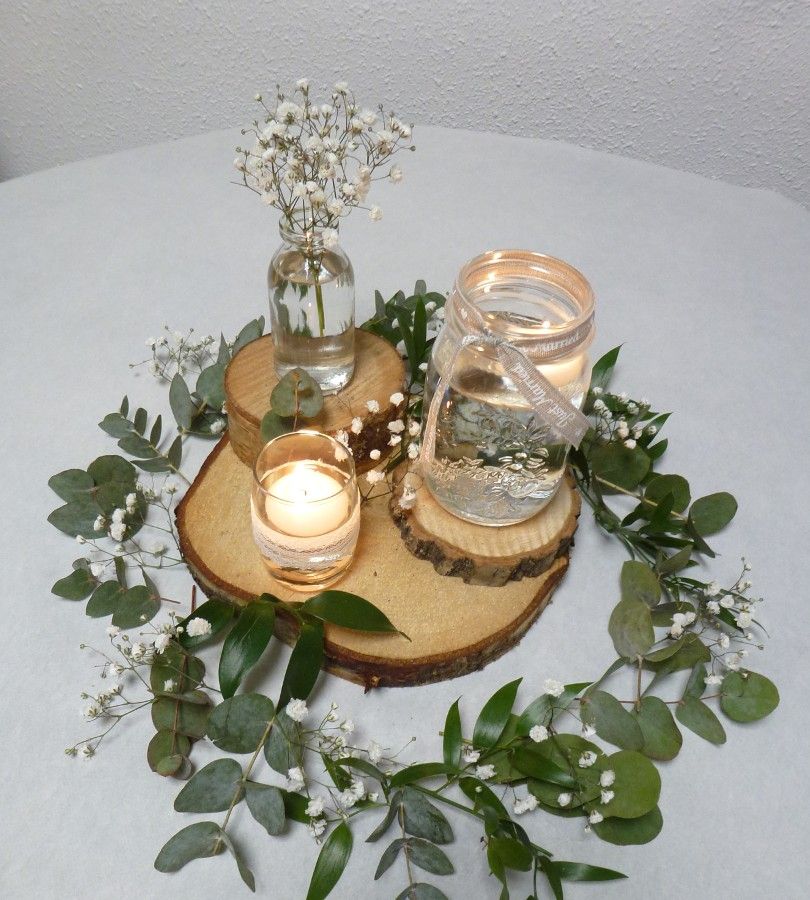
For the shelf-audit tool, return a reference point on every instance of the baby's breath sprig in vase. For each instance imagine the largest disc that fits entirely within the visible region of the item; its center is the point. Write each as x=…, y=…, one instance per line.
x=315, y=163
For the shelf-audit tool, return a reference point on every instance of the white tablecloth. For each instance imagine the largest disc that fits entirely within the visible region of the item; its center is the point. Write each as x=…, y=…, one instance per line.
x=706, y=284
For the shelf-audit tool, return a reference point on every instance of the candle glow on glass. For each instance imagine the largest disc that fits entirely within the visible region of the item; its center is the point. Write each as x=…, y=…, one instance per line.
x=306, y=502
x=564, y=372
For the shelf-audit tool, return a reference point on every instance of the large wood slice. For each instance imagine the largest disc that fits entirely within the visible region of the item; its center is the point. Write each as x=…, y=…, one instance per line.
x=454, y=627
x=487, y=555
x=379, y=373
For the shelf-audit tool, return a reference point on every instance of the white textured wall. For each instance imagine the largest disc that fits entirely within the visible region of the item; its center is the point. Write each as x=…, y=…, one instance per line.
x=719, y=88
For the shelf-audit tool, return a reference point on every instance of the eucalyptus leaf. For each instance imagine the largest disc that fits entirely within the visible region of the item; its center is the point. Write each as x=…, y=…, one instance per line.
x=165, y=744
x=695, y=715
x=190, y=719
x=423, y=819
x=71, y=484
x=429, y=857
x=389, y=857
x=135, y=606
x=212, y=789
x=630, y=627
x=637, y=785
x=662, y=737
x=273, y=426
x=105, y=599
x=196, y=841
x=182, y=405
x=266, y=805
x=388, y=819
x=626, y=832
x=639, y=582
x=748, y=696
x=76, y=586
x=618, y=466
x=712, y=513
x=612, y=721
x=297, y=393
x=210, y=386
x=419, y=890
x=283, y=749
x=238, y=724
x=660, y=485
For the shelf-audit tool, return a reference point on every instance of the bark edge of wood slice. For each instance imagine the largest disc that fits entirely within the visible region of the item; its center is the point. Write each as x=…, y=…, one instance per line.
x=379, y=372
x=455, y=628
x=481, y=554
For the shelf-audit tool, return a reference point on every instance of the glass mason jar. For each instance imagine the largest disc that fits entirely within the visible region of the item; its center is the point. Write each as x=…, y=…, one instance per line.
x=495, y=462
x=305, y=509
x=311, y=289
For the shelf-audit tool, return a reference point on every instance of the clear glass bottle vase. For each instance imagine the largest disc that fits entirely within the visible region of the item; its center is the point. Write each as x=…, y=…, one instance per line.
x=495, y=462
x=311, y=289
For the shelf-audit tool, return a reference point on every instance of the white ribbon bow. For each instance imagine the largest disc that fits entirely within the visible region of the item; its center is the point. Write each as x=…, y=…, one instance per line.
x=551, y=407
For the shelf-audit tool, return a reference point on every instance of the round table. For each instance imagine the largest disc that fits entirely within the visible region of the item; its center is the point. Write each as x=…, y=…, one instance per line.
x=706, y=285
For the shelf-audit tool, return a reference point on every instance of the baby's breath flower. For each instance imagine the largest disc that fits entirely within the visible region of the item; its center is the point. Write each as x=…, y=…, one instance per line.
x=538, y=733
x=297, y=710
x=553, y=687
x=607, y=778
x=564, y=799
x=397, y=398
x=397, y=426
x=485, y=772
x=375, y=476
x=407, y=499
x=374, y=454
x=374, y=751
x=526, y=805
x=357, y=425
x=372, y=406
x=587, y=759
x=595, y=817
x=198, y=627
x=470, y=756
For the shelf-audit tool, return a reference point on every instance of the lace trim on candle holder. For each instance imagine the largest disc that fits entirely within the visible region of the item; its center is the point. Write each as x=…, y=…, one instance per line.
x=307, y=554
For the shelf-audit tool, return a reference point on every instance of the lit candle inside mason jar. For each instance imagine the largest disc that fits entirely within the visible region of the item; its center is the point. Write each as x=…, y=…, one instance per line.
x=305, y=509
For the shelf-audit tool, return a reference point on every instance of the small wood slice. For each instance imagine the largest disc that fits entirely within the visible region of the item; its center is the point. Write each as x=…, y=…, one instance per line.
x=379, y=373
x=480, y=554
x=454, y=628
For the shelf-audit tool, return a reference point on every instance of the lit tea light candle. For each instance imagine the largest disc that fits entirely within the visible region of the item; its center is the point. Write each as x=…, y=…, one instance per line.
x=305, y=509
x=306, y=501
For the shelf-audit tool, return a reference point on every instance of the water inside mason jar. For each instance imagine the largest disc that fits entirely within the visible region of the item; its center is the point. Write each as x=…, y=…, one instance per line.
x=495, y=462
x=326, y=353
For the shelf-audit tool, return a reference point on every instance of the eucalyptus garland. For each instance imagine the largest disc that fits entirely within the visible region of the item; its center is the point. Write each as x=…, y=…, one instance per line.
x=670, y=629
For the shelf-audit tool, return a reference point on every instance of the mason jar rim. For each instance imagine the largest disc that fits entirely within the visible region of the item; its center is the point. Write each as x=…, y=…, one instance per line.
x=308, y=432
x=500, y=266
